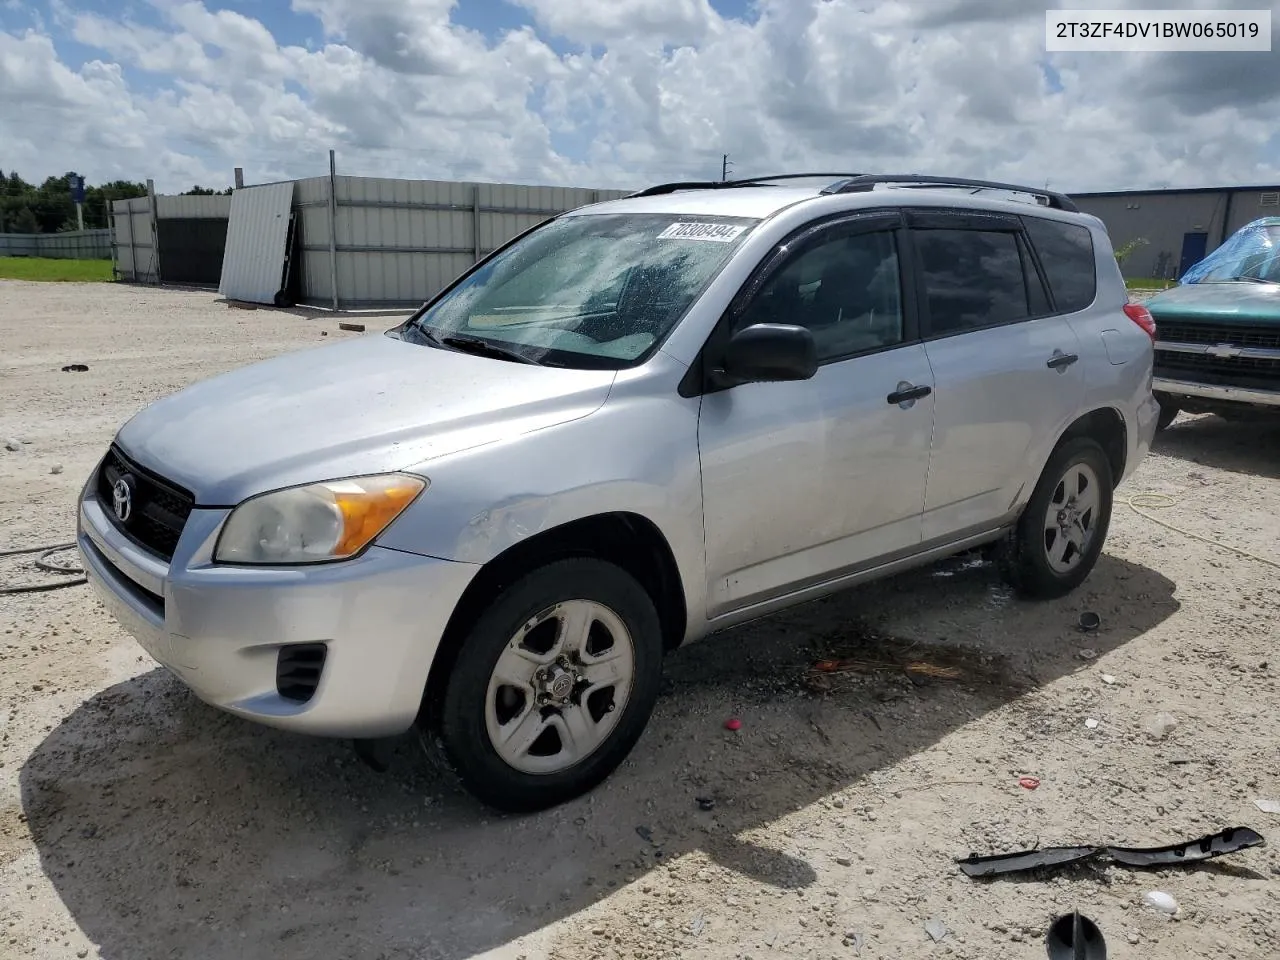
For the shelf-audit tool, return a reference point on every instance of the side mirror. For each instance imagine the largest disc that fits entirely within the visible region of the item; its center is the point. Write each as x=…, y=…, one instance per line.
x=768, y=353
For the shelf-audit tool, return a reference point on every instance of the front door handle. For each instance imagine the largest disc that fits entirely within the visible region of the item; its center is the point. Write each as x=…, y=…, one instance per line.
x=907, y=393
x=1060, y=360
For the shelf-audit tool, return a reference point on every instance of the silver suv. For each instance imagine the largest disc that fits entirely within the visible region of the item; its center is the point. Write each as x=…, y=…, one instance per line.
x=637, y=424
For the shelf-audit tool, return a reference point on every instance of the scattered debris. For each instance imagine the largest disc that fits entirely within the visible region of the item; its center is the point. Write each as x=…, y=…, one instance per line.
x=1075, y=937
x=324, y=333
x=1161, y=724
x=1230, y=840
x=854, y=940
x=844, y=861
x=733, y=723
x=917, y=667
x=351, y=327
x=1090, y=621
x=1091, y=723
x=936, y=929
x=1028, y=783
x=1159, y=900
x=1088, y=653
x=697, y=925
x=1268, y=806
x=645, y=834
x=706, y=803
x=75, y=368
x=12, y=445
x=975, y=866
x=1108, y=679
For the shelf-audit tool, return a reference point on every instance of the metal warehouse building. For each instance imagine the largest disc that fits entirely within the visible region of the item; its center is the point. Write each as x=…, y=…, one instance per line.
x=1179, y=226
x=338, y=241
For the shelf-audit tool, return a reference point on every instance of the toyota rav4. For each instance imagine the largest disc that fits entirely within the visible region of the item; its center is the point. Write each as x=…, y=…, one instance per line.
x=635, y=425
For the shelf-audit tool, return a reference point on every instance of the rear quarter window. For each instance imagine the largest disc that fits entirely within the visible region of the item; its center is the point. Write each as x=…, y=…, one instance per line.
x=1066, y=253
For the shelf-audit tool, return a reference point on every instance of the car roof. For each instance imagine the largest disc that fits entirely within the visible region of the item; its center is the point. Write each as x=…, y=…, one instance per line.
x=759, y=202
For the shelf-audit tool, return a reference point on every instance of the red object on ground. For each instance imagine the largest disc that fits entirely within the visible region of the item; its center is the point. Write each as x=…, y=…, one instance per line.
x=1029, y=782
x=733, y=723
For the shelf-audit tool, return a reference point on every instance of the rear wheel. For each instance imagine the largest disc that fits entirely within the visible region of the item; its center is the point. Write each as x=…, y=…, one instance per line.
x=554, y=685
x=1061, y=532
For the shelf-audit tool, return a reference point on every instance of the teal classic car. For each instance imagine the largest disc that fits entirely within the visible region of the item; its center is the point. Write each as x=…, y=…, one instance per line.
x=1218, y=330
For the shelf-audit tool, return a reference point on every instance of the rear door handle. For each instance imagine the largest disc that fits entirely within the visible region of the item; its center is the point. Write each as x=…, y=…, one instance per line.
x=1060, y=360
x=906, y=393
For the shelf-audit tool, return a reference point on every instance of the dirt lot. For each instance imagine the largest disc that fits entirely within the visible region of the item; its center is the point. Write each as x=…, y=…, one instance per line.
x=136, y=822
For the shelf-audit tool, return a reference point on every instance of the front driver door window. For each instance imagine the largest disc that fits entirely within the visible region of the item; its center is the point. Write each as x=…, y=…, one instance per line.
x=847, y=291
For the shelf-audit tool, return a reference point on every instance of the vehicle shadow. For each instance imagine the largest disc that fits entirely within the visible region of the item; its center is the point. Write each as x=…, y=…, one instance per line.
x=1245, y=446
x=169, y=828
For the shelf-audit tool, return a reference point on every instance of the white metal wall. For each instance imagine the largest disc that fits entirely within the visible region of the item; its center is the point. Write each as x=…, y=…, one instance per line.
x=134, y=240
x=398, y=242
x=253, y=264
x=193, y=208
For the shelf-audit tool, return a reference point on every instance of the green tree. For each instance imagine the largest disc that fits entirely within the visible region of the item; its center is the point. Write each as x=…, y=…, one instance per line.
x=26, y=222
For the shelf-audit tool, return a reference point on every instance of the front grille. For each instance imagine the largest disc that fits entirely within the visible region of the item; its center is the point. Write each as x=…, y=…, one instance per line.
x=1251, y=372
x=158, y=510
x=298, y=668
x=1236, y=334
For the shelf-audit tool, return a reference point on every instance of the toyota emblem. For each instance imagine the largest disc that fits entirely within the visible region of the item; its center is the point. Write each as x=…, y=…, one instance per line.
x=122, y=499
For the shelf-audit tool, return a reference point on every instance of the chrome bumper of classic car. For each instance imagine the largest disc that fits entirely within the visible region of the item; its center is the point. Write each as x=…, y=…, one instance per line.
x=1213, y=391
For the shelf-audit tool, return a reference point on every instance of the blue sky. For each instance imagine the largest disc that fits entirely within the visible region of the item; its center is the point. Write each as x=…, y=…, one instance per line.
x=613, y=92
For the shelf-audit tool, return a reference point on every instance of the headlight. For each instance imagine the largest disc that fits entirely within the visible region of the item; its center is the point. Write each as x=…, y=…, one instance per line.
x=324, y=521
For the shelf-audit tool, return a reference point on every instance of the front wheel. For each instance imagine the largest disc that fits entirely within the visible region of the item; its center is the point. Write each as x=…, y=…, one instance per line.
x=1061, y=532
x=554, y=684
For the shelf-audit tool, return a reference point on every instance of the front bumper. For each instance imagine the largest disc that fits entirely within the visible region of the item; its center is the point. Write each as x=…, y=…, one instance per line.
x=1211, y=391
x=220, y=628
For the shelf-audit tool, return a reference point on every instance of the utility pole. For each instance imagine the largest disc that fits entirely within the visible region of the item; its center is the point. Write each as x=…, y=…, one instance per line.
x=724, y=168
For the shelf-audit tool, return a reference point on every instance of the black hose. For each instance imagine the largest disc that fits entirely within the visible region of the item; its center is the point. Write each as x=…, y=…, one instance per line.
x=43, y=563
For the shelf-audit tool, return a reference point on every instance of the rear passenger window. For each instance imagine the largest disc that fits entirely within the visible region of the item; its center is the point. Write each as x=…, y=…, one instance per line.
x=973, y=279
x=1066, y=253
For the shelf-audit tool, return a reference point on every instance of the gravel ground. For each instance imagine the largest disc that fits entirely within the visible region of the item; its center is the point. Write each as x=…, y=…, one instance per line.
x=136, y=822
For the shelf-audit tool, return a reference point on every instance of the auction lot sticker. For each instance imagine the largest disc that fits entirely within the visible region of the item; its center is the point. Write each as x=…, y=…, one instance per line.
x=1157, y=30
x=715, y=232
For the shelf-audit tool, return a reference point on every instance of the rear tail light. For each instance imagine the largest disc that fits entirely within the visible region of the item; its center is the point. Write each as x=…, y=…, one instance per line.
x=1142, y=317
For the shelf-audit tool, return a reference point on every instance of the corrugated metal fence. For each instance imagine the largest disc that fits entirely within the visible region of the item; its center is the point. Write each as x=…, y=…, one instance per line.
x=394, y=243
x=69, y=245
x=137, y=253
x=398, y=242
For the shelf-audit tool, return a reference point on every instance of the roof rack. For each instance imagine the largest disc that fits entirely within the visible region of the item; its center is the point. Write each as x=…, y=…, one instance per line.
x=865, y=182
x=662, y=188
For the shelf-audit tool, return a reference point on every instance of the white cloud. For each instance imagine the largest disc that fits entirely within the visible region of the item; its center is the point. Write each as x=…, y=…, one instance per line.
x=647, y=90
x=593, y=21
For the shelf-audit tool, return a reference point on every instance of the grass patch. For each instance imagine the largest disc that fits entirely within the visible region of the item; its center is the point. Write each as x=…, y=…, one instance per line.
x=1146, y=283
x=55, y=270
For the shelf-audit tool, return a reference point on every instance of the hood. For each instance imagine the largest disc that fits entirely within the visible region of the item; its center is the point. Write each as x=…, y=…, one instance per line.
x=370, y=405
x=1223, y=302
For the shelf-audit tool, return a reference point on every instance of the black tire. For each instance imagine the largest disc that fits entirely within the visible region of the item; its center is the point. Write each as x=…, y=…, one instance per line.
x=1168, y=413
x=1024, y=561
x=462, y=727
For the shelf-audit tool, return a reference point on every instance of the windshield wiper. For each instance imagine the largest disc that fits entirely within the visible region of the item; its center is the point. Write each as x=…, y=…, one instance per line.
x=476, y=345
x=1253, y=279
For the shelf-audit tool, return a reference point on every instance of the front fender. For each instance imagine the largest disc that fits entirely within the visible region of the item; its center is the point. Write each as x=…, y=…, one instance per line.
x=638, y=454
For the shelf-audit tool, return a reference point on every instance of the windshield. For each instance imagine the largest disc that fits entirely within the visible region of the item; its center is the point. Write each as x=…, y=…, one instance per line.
x=593, y=290
x=1251, y=253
